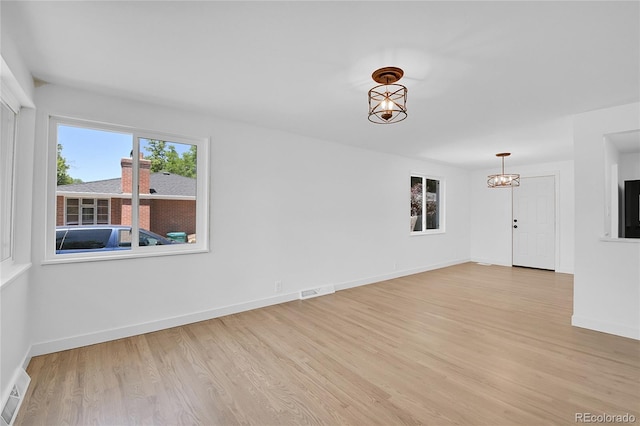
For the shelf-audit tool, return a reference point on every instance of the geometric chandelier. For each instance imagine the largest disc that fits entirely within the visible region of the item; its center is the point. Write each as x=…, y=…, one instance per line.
x=503, y=180
x=388, y=101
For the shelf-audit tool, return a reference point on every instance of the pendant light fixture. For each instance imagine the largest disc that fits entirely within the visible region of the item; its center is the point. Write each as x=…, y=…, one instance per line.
x=388, y=101
x=503, y=180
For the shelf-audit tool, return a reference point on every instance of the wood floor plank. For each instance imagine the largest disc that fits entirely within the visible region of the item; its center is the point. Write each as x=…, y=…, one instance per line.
x=465, y=345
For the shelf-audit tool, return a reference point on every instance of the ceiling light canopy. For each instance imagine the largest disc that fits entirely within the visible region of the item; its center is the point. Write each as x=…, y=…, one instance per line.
x=503, y=180
x=388, y=101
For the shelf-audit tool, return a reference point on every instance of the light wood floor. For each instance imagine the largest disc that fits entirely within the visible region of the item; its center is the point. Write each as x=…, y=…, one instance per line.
x=468, y=344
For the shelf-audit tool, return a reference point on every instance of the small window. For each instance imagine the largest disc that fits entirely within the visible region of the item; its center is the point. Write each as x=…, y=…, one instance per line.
x=426, y=205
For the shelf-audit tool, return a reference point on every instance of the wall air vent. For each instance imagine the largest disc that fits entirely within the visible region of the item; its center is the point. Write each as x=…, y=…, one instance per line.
x=318, y=291
x=14, y=400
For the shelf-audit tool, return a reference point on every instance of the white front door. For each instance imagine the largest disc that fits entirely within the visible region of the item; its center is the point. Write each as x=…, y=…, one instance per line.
x=534, y=223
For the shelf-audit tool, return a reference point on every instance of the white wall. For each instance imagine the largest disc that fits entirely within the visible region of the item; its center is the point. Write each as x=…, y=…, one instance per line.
x=15, y=309
x=283, y=207
x=607, y=273
x=629, y=167
x=491, y=214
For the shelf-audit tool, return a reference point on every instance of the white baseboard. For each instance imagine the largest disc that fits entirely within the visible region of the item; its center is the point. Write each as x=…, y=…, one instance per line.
x=396, y=274
x=490, y=261
x=151, y=326
x=606, y=327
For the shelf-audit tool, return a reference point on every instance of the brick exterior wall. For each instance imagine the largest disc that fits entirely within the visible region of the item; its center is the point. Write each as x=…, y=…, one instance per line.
x=173, y=216
x=127, y=174
x=59, y=210
x=144, y=213
x=116, y=211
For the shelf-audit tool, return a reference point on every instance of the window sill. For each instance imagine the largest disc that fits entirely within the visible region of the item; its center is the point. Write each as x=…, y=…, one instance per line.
x=620, y=240
x=11, y=271
x=71, y=258
x=429, y=232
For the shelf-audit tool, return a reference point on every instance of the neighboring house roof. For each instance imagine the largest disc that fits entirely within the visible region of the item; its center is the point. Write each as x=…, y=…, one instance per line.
x=162, y=183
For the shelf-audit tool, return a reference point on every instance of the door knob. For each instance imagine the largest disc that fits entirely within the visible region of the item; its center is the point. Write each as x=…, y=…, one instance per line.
x=515, y=220
x=515, y=226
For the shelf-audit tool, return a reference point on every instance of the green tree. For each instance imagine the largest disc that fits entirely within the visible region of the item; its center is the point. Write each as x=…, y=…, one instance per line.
x=165, y=158
x=62, y=175
x=157, y=154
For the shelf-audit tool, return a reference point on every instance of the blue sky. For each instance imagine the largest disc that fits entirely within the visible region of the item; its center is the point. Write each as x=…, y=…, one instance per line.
x=95, y=154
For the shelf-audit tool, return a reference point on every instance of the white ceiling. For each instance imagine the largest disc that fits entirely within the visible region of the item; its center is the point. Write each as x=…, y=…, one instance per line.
x=483, y=77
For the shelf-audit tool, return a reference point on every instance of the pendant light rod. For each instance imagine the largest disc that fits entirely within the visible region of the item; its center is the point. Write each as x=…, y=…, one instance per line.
x=503, y=180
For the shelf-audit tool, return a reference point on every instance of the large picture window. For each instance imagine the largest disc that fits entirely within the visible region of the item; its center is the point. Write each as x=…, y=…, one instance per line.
x=426, y=205
x=144, y=193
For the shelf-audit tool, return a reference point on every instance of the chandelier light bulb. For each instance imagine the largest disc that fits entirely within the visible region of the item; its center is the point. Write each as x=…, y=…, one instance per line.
x=387, y=107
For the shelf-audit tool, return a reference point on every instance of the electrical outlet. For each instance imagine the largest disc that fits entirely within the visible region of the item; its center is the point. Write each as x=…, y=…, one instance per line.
x=278, y=287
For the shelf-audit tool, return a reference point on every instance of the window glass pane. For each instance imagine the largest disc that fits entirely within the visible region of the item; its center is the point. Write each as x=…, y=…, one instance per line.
x=86, y=239
x=416, y=203
x=103, y=212
x=168, y=183
x=87, y=215
x=91, y=161
x=59, y=237
x=7, y=142
x=124, y=238
x=433, y=204
x=73, y=211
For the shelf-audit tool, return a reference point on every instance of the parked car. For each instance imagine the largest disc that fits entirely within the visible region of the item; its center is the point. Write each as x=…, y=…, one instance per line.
x=95, y=238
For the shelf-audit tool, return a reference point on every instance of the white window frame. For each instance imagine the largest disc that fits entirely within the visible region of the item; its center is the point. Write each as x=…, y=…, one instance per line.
x=441, y=204
x=202, y=195
x=8, y=176
x=13, y=94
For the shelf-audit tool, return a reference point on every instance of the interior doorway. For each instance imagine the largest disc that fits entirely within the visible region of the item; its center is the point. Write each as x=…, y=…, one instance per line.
x=534, y=223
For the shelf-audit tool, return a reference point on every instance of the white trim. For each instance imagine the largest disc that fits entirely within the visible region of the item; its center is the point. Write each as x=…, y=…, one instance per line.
x=12, y=270
x=8, y=164
x=397, y=274
x=491, y=261
x=153, y=251
x=620, y=240
x=606, y=327
x=161, y=324
x=151, y=326
x=12, y=91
